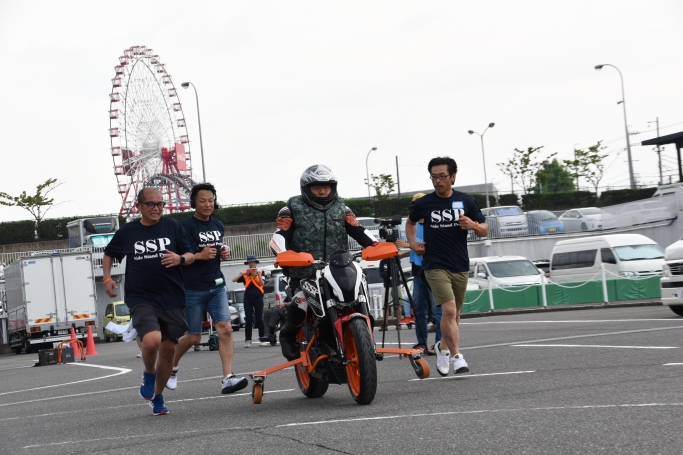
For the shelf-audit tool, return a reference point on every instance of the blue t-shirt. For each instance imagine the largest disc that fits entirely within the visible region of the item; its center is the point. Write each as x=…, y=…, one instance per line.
x=445, y=241
x=414, y=257
x=202, y=275
x=147, y=280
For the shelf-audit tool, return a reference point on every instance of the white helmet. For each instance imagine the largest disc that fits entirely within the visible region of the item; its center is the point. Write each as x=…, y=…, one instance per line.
x=318, y=174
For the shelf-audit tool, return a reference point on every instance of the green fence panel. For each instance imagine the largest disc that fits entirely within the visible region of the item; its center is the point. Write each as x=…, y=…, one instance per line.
x=517, y=297
x=633, y=289
x=572, y=293
x=476, y=301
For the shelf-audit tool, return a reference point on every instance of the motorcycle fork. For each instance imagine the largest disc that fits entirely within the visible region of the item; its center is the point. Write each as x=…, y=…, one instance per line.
x=332, y=314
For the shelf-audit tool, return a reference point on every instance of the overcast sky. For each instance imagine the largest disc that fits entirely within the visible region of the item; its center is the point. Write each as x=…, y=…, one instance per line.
x=283, y=85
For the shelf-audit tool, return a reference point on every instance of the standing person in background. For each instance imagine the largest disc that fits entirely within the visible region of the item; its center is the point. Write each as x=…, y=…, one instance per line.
x=447, y=215
x=155, y=248
x=422, y=295
x=253, y=297
x=205, y=287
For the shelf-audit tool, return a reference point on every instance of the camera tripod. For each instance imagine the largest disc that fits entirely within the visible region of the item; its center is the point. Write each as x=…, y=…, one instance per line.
x=393, y=271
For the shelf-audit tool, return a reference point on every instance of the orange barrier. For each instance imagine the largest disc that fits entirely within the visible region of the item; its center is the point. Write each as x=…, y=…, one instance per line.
x=90, y=348
x=73, y=340
x=78, y=343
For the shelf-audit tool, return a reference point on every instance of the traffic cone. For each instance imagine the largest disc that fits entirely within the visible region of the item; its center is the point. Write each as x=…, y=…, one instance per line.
x=74, y=344
x=90, y=348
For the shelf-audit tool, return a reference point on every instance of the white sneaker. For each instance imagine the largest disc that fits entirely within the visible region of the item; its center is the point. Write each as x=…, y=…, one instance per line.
x=443, y=364
x=232, y=383
x=247, y=344
x=172, y=382
x=265, y=343
x=459, y=364
x=139, y=356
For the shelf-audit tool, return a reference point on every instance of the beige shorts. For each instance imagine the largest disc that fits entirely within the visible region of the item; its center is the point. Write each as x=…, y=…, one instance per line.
x=447, y=286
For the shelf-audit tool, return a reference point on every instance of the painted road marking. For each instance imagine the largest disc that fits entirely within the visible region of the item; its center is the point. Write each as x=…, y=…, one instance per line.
x=672, y=364
x=581, y=321
x=590, y=346
x=119, y=372
x=571, y=337
x=158, y=435
x=463, y=376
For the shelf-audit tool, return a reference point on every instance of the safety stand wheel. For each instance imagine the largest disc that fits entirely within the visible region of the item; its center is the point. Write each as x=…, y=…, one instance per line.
x=257, y=389
x=420, y=366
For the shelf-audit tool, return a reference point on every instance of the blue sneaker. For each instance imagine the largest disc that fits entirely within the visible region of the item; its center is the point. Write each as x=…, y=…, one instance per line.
x=147, y=386
x=157, y=405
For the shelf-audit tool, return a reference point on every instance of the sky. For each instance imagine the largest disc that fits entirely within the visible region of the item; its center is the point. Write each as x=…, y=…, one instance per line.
x=284, y=85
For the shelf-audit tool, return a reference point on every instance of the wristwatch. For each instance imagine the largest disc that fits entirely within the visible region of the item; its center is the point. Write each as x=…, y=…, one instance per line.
x=182, y=259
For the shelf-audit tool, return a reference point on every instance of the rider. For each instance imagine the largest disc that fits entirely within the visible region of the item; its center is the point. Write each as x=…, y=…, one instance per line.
x=317, y=222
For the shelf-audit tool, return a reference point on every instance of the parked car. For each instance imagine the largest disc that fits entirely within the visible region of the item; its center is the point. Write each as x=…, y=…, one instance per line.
x=234, y=320
x=236, y=300
x=544, y=222
x=543, y=265
x=119, y=314
x=584, y=219
x=506, y=221
x=642, y=212
x=503, y=271
x=275, y=287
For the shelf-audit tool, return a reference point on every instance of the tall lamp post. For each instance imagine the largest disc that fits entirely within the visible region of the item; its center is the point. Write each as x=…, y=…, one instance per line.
x=367, y=174
x=628, y=140
x=201, y=144
x=481, y=136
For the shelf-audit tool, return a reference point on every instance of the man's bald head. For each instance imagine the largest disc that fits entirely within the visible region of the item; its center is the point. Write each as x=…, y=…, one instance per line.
x=148, y=192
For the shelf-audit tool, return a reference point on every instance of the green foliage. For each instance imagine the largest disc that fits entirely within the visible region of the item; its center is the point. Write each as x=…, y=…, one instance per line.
x=481, y=200
x=55, y=228
x=558, y=201
x=383, y=185
x=620, y=196
x=37, y=205
x=242, y=214
x=524, y=166
x=588, y=164
x=180, y=216
x=553, y=178
x=508, y=199
x=17, y=231
x=361, y=207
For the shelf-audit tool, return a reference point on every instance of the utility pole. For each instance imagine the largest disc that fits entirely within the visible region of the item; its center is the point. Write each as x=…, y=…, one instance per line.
x=576, y=169
x=659, y=153
x=398, y=179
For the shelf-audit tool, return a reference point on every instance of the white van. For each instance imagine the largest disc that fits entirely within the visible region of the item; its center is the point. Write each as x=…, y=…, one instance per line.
x=672, y=281
x=625, y=255
x=503, y=271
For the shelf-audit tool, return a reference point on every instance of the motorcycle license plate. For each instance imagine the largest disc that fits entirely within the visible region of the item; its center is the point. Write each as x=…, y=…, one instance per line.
x=552, y=229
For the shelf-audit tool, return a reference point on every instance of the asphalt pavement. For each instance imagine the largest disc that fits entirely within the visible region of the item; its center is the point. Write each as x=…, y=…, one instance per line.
x=587, y=381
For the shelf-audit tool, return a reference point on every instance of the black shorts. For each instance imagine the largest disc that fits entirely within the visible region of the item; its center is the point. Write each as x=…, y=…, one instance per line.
x=171, y=323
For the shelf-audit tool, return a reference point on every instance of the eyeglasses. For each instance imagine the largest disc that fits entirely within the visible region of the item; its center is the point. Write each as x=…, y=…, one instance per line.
x=439, y=177
x=151, y=205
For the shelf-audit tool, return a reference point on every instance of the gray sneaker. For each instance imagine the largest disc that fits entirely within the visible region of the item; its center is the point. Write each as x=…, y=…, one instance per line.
x=443, y=364
x=232, y=383
x=247, y=344
x=172, y=382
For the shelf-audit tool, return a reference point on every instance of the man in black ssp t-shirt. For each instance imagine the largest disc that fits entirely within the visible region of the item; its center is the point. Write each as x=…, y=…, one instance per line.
x=154, y=248
x=448, y=215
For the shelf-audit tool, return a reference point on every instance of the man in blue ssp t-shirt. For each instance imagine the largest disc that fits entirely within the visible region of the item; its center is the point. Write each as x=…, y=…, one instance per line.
x=154, y=248
x=205, y=287
x=447, y=215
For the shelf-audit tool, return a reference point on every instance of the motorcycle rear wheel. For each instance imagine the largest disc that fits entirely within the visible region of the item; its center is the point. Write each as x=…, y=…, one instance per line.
x=309, y=386
x=361, y=366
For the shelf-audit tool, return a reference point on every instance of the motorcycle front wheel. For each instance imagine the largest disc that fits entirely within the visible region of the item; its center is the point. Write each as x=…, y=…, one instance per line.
x=361, y=366
x=310, y=387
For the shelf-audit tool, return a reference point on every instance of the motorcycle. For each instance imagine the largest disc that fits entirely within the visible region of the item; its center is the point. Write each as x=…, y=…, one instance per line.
x=336, y=340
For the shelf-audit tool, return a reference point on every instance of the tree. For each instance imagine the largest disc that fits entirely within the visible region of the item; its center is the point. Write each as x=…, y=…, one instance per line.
x=588, y=164
x=524, y=166
x=383, y=185
x=553, y=178
x=37, y=205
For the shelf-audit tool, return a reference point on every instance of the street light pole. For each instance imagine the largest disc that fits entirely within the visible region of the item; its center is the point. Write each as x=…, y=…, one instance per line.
x=483, y=156
x=199, y=120
x=628, y=140
x=367, y=174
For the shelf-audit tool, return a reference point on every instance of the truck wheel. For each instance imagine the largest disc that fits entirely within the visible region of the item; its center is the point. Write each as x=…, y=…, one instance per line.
x=17, y=350
x=678, y=309
x=106, y=337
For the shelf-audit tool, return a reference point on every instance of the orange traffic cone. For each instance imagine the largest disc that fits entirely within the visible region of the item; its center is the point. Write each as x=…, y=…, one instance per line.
x=74, y=344
x=90, y=348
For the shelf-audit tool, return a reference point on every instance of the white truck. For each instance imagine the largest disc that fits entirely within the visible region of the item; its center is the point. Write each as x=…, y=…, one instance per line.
x=47, y=296
x=92, y=232
x=672, y=281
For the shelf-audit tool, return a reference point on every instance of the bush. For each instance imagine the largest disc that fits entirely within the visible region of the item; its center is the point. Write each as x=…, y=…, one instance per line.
x=266, y=213
x=558, y=201
x=54, y=228
x=508, y=199
x=613, y=197
x=17, y=231
x=481, y=200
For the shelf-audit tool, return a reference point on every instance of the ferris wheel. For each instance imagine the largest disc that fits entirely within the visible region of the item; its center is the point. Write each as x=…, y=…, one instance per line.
x=149, y=143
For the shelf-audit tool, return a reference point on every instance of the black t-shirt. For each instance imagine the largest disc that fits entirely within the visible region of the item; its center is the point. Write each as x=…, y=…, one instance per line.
x=147, y=280
x=202, y=275
x=445, y=241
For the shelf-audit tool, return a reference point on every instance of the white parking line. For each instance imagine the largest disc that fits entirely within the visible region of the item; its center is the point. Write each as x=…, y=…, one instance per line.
x=175, y=433
x=590, y=346
x=580, y=321
x=120, y=371
x=463, y=376
x=672, y=364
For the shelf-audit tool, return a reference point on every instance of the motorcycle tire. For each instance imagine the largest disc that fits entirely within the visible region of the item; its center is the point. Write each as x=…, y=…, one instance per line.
x=361, y=366
x=309, y=386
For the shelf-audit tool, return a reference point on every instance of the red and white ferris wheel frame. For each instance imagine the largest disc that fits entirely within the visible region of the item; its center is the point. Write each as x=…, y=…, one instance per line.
x=149, y=140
